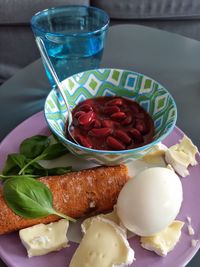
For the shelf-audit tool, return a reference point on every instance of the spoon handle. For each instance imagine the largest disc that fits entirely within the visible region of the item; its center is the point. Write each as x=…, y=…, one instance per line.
x=50, y=67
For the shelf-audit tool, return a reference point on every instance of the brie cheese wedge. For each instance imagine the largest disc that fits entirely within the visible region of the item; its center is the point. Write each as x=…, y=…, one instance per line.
x=41, y=239
x=164, y=241
x=157, y=155
x=181, y=155
x=103, y=245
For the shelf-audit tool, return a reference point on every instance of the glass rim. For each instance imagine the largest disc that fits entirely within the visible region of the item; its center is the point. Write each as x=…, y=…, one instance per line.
x=75, y=34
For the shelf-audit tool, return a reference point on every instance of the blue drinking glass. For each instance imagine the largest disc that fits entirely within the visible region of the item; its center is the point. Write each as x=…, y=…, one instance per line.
x=74, y=37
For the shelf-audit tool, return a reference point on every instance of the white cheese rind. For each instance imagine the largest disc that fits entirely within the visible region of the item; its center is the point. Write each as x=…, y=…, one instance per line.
x=191, y=230
x=194, y=242
x=112, y=216
x=181, y=155
x=189, y=220
x=164, y=241
x=156, y=156
x=41, y=239
x=104, y=244
x=176, y=160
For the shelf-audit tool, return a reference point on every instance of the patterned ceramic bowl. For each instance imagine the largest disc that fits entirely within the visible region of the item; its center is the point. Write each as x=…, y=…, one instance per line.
x=151, y=95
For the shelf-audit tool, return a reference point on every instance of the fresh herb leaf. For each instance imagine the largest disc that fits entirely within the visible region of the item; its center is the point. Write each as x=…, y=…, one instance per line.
x=29, y=198
x=34, y=146
x=13, y=164
x=59, y=170
x=19, y=159
x=5, y=177
x=51, y=152
x=32, y=150
x=31, y=162
x=36, y=171
x=54, y=151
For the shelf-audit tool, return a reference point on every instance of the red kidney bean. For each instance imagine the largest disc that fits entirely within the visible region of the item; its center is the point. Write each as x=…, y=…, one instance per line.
x=78, y=114
x=136, y=135
x=127, y=120
x=116, y=101
x=83, y=140
x=122, y=136
x=97, y=124
x=89, y=101
x=140, y=115
x=101, y=132
x=86, y=119
x=140, y=126
x=114, y=143
x=118, y=116
x=111, y=110
x=108, y=123
x=134, y=109
x=86, y=107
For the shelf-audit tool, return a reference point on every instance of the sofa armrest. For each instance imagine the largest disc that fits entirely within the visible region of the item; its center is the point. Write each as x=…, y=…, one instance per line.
x=150, y=9
x=21, y=11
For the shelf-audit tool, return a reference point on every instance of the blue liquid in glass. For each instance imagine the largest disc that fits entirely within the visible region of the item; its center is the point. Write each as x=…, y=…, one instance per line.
x=74, y=56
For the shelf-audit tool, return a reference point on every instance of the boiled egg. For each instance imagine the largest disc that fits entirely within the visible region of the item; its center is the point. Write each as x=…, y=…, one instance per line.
x=150, y=201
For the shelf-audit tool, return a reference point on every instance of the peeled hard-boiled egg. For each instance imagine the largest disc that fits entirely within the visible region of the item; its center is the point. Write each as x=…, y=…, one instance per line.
x=150, y=202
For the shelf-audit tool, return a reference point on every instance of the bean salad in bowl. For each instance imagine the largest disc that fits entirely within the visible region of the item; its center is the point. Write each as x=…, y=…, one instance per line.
x=118, y=115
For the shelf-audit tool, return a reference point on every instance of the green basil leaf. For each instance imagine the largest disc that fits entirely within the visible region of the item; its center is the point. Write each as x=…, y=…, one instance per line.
x=5, y=177
x=19, y=159
x=54, y=151
x=59, y=170
x=32, y=150
x=13, y=164
x=36, y=169
x=51, y=152
x=29, y=167
x=29, y=198
x=34, y=146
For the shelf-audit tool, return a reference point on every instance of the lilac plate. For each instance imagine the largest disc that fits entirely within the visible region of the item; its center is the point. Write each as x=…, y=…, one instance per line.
x=14, y=254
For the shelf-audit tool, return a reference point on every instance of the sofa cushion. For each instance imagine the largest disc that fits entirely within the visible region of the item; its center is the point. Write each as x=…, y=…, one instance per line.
x=20, y=11
x=150, y=9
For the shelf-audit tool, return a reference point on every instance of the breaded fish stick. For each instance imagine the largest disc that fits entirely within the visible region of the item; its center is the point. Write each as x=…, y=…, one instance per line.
x=75, y=194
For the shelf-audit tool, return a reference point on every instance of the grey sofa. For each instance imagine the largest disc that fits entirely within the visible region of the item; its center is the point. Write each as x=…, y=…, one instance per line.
x=17, y=46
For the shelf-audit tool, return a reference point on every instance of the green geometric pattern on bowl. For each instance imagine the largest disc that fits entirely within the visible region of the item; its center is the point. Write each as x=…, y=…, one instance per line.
x=151, y=95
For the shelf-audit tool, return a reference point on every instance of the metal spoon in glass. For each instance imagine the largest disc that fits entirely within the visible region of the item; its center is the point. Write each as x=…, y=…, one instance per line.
x=50, y=67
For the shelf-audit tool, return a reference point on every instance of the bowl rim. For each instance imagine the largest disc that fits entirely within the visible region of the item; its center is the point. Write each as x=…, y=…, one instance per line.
x=113, y=152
